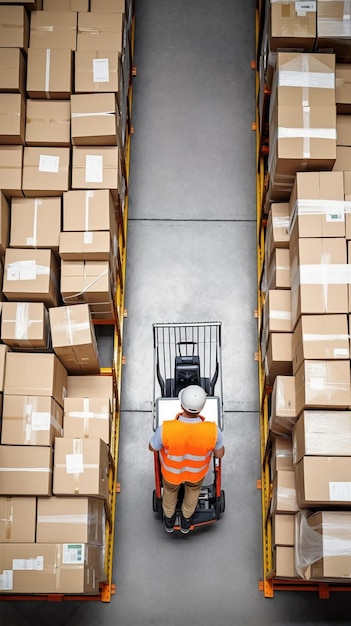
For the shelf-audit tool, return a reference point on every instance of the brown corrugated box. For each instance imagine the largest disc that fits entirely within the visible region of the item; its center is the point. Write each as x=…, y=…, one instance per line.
x=74, y=520
x=320, y=337
x=108, y=6
x=94, y=120
x=11, y=163
x=283, y=408
x=334, y=28
x=3, y=356
x=318, y=276
x=278, y=360
x=66, y=5
x=25, y=325
x=90, y=386
x=45, y=78
x=98, y=71
x=46, y=171
x=343, y=159
x=88, y=417
x=73, y=338
x=31, y=420
x=291, y=27
x=31, y=275
x=35, y=223
x=281, y=456
x=26, y=470
x=81, y=467
x=86, y=246
x=30, y=5
x=4, y=223
x=35, y=374
x=277, y=275
x=17, y=519
x=277, y=229
x=343, y=129
x=277, y=311
x=317, y=205
x=53, y=29
x=96, y=168
x=323, y=384
x=283, y=529
x=327, y=543
x=87, y=281
x=343, y=88
x=322, y=433
x=100, y=31
x=323, y=480
x=12, y=118
x=349, y=263
x=50, y=568
x=284, y=562
x=48, y=123
x=284, y=492
x=89, y=211
x=14, y=27
x=12, y=71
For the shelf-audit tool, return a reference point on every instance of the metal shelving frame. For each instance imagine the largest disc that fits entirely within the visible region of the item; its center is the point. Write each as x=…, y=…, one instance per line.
x=269, y=583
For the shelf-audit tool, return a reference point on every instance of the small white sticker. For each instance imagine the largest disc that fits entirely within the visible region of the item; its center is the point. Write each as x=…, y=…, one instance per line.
x=41, y=421
x=6, y=580
x=340, y=491
x=74, y=464
x=73, y=553
x=49, y=163
x=94, y=168
x=305, y=7
x=335, y=216
x=88, y=237
x=101, y=73
x=341, y=353
x=35, y=563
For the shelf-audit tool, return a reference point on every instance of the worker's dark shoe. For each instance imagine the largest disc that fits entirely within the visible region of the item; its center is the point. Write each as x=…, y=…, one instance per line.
x=169, y=523
x=185, y=524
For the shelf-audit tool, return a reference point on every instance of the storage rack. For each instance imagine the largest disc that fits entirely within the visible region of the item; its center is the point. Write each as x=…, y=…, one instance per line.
x=107, y=588
x=269, y=583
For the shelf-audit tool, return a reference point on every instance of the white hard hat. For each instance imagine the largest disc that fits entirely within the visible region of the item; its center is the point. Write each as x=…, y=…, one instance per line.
x=192, y=398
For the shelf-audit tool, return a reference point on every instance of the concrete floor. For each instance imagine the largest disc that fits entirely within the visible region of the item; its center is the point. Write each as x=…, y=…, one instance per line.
x=191, y=256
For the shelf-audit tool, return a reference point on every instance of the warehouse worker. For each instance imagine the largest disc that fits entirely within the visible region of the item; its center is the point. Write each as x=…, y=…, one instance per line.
x=186, y=445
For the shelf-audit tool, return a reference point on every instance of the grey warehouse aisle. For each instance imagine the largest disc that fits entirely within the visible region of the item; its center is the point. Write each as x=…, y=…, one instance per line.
x=191, y=257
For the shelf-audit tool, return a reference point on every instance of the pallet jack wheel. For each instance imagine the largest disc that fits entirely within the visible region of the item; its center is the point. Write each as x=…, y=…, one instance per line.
x=156, y=504
x=222, y=501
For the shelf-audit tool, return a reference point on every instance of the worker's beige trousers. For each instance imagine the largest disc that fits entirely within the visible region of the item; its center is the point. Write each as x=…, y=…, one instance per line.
x=170, y=496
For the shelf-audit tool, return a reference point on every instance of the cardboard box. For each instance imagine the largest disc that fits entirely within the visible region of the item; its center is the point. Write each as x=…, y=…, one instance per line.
x=45, y=78
x=100, y=31
x=94, y=120
x=96, y=168
x=50, y=568
x=66, y=5
x=89, y=211
x=108, y=6
x=88, y=417
x=29, y=4
x=75, y=520
x=322, y=384
x=277, y=311
x=31, y=275
x=98, y=71
x=343, y=159
x=284, y=562
x=90, y=386
x=284, y=492
x=343, y=88
x=86, y=246
x=25, y=325
x=31, y=420
x=328, y=545
x=323, y=481
x=53, y=29
x=278, y=273
x=319, y=277
x=334, y=28
x=291, y=27
x=283, y=406
x=11, y=161
x=35, y=374
x=322, y=433
x=12, y=118
x=343, y=130
x=48, y=123
x=81, y=467
x=35, y=223
x=277, y=229
x=281, y=456
x=3, y=355
x=25, y=470
x=320, y=337
x=14, y=27
x=46, y=171
x=317, y=205
x=349, y=262
x=278, y=360
x=12, y=71
x=4, y=223
x=87, y=281
x=73, y=339
x=283, y=529
x=17, y=519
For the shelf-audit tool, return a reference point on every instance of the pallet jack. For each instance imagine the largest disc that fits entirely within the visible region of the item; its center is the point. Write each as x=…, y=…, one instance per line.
x=189, y=354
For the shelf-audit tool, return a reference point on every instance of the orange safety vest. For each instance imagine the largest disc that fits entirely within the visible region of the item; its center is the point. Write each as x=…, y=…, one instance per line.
x=186, y=450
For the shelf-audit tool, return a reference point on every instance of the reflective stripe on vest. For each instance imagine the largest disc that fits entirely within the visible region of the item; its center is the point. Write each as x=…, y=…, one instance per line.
x=187, y=450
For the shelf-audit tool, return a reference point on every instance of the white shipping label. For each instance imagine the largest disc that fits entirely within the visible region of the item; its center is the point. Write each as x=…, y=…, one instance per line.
x=74, y=464
x=101, y=72
x=41, y=420
x=94, y=168
x=73, y=553
x=88, y=236
x=49, y=163
x=306, y=7
x=36, y=563
x=6, y=580
x=340, y=491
